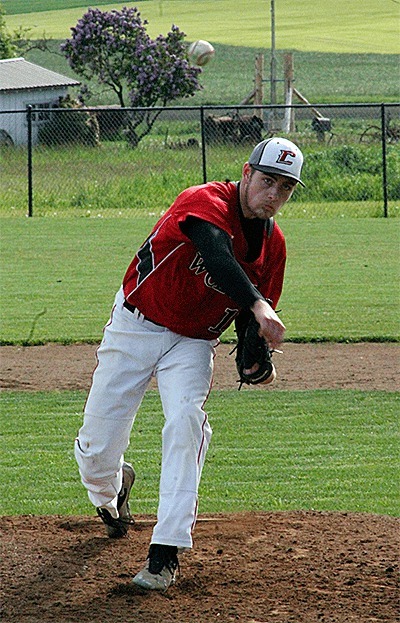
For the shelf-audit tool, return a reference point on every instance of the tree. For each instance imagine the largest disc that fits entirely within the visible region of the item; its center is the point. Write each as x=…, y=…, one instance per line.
x=19, y=41
x=114, y=48
x=7, y=48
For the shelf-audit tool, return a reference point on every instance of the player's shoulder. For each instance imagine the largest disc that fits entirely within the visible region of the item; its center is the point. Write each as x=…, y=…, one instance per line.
x=212, y=197
x=212, y=189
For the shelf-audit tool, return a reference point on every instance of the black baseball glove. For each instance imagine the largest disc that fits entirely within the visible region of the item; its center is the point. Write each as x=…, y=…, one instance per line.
x=252, y=353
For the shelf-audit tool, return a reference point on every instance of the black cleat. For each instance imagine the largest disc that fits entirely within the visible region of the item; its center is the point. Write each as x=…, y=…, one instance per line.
x=117, y=528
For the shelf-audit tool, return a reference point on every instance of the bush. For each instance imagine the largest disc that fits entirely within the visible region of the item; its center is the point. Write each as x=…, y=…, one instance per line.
x=70, y=127
x=354, y=159
x=350, y=173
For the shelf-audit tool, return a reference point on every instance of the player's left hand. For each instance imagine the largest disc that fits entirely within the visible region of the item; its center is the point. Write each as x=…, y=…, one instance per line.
x=253, y=357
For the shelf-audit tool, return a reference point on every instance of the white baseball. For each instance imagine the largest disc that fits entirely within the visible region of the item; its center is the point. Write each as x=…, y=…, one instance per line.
x=201, y=52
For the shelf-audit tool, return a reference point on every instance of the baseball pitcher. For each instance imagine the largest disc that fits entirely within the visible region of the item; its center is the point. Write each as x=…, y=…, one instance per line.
x=216, y=256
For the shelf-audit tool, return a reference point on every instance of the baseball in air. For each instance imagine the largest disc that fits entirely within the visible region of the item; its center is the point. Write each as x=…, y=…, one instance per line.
x=201, y=52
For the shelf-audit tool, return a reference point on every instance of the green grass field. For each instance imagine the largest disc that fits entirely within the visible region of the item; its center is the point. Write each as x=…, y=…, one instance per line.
x=15, y=7
x=343, y=179
x=323, y=450
x=322, y=77
x=60, y=284
x=320, y=450
x=346, y=55
x=362, y=27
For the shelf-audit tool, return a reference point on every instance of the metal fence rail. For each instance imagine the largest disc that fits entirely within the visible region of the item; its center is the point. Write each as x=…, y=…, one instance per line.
x=94, y=162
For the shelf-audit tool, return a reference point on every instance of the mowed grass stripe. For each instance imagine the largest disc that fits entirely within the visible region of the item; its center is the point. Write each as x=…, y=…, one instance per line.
x=368, y=26
x=338, y=286
x=15, y=7
x=323, y=450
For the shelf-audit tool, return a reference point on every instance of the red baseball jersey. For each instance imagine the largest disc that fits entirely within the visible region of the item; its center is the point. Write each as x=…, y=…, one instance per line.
x=167, y=280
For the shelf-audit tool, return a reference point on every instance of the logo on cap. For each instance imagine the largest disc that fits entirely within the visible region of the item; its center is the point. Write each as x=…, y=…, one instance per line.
x=277, y=155
x=284, y=154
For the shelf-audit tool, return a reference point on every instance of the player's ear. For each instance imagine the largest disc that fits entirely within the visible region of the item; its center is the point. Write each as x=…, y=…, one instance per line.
x=246, y=171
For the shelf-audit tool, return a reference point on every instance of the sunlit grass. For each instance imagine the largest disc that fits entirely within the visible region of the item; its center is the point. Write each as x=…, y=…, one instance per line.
x=338, y=286
x=369, y=26
x=113, y=179
x=323, y=450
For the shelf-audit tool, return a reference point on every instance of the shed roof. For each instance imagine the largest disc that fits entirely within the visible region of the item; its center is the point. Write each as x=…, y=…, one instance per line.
x=18, y=74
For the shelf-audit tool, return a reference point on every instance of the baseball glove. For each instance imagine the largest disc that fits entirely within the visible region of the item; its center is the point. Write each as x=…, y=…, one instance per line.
x=252, y=353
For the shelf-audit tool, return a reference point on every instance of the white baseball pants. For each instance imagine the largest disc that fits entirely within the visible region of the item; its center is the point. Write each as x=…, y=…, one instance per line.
x=132, y=351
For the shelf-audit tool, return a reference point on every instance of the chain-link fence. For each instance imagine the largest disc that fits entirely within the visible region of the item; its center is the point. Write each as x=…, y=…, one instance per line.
x=113, y=161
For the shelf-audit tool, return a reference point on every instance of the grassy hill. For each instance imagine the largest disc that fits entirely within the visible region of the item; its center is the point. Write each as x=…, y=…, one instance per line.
x=343, y=55
x=15, y=7
x=370, y=26
x=322, y=77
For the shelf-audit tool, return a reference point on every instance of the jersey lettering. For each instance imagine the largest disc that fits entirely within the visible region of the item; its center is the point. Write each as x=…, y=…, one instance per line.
x=198, y=267
x=225, y=321
x=211, y=284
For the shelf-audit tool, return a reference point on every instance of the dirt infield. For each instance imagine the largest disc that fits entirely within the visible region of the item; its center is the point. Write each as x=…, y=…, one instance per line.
x=301, y=366
x=281, y=567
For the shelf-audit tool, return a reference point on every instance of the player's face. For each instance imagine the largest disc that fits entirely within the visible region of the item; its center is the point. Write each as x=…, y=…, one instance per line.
x=263, y=194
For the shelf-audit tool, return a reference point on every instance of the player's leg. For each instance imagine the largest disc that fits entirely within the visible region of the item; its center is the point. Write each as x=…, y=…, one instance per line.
x=126, y=360
x=184, y=378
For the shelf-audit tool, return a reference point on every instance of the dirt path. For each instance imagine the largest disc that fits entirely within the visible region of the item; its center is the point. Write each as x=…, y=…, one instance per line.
x=301, y=366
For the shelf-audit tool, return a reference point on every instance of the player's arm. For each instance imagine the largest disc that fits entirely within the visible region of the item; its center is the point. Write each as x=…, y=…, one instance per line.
x=215, y=247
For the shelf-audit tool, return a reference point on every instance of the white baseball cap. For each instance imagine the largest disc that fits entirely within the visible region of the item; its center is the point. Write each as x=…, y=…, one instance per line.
x=278, y=155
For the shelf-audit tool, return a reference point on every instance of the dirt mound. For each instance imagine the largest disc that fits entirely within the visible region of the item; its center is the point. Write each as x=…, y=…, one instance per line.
x=300, y=567
x=290, y=567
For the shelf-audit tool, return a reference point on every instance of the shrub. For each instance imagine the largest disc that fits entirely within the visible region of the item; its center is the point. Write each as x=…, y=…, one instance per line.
x=70, y=127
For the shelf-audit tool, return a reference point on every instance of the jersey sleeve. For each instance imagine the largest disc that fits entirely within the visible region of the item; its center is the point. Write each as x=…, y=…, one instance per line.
x=215, y=203
x=217, y=253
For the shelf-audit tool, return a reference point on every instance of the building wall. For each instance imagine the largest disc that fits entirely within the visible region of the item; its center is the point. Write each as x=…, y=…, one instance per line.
x=15, y=124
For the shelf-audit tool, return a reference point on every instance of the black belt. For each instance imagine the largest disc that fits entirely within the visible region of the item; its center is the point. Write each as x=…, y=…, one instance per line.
x=132, y=309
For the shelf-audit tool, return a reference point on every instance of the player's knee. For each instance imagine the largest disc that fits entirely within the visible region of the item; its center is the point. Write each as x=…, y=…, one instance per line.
x=189, y=424
x=95, y=463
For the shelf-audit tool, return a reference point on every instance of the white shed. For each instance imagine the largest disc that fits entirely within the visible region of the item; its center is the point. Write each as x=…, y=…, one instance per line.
x=24, y=84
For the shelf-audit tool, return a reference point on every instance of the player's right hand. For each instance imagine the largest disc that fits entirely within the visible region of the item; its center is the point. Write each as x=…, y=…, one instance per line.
x=272, y=328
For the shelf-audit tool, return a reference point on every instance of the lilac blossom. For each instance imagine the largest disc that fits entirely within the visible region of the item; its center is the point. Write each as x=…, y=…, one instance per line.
x=114, y=48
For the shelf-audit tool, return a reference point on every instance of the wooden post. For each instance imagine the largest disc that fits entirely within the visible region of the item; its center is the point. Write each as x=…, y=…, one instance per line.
x=273, y=55
x=259, y=84
x=307, y=103
x=288, y=123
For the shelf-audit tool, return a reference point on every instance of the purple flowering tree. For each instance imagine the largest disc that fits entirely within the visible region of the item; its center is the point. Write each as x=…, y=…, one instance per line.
x=114, y=48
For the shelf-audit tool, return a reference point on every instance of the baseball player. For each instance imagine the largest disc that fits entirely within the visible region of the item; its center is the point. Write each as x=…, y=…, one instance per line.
x=216, y=253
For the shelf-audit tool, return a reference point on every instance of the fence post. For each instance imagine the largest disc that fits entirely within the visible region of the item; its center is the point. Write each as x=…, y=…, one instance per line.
x=384, y=166
x=203, y=145
x=30, y=178
x=288, y=124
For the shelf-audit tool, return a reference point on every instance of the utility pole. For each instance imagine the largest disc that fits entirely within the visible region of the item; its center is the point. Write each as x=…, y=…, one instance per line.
x=273, y=55
x=272, y=122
